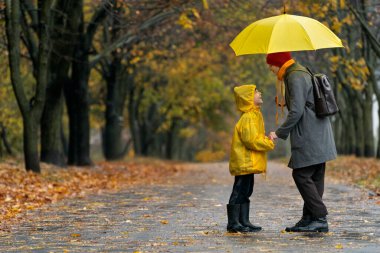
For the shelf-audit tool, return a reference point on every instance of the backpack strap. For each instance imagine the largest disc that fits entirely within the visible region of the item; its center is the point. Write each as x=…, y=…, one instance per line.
x=301, y=70
x=311, y=72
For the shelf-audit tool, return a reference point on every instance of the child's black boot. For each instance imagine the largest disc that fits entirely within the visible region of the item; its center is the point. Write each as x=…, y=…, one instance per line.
x=244, y=218
x=234, y=226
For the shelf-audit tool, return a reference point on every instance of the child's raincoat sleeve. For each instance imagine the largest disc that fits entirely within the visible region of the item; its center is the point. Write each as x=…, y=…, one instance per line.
x=252, y=138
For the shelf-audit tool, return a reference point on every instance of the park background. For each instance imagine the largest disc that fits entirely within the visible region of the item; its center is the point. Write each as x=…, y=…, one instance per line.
x=149, y=84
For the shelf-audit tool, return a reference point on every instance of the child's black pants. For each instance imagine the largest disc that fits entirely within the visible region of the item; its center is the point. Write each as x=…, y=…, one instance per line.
x=242, y=189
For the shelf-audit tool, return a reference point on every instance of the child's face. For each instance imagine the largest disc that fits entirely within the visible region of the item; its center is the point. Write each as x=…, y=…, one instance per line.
x=273, y=69
x=257, y=99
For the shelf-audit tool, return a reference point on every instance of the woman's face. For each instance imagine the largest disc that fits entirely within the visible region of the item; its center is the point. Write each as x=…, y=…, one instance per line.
x=273, y=69
x=257, y=99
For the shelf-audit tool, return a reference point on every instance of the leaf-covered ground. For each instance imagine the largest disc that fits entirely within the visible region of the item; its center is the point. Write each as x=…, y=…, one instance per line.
x=21, y=190
x=186, y=212
x=362, y=171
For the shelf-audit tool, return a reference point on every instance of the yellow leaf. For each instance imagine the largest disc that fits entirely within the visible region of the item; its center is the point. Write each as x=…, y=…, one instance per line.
x=339, y=246
x=205, y=4
x=342, y=4
x=75, y=235
x=30, y=207
x=185, y=22
x=135, y=60
x=164, y=221
x=195, y=13
x=334, y=59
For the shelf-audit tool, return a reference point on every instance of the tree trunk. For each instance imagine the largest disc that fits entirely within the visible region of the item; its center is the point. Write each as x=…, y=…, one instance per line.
x=66, y=23
x=31, y=110
x=31, y=157
x=378, y=137
x=133, y=121
x=51, y=142
x=369, y=148
x=373, y=82
x=170, y=138
x=359, y=133
x=1, y=151
x=76, y=93
x=114, y=145
x=144, y=138
x=348, y=126
x=355, y=107
x=64, y=141
x=352, y=140
x=4, y=139
x=370, y=46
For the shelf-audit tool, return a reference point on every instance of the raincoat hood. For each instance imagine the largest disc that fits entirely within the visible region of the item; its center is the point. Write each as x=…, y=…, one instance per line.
x=244, y=96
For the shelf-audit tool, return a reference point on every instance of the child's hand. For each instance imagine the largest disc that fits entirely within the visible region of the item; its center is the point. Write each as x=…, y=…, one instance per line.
x=272, y=136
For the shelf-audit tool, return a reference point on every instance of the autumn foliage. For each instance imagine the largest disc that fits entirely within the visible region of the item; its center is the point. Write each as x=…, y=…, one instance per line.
x=361, y=171
x=21, y=190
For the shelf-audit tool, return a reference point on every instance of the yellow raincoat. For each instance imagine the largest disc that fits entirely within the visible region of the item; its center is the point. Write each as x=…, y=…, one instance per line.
x=249, y=143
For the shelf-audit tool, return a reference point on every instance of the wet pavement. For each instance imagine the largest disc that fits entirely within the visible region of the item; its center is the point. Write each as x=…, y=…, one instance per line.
x=187, y=213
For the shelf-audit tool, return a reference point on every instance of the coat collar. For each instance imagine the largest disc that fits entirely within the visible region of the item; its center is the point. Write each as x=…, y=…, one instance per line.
x=295, y=66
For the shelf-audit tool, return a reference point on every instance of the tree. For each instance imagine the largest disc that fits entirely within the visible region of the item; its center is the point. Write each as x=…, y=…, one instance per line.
x=76, y=90
x=31, y=110
x=65, y=24
x=116, y=62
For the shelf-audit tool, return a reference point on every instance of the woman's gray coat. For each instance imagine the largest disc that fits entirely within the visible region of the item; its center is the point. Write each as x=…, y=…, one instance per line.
x=311, y=138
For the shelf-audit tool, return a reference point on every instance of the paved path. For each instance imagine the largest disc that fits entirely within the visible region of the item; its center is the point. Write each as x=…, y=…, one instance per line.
x=188, y=214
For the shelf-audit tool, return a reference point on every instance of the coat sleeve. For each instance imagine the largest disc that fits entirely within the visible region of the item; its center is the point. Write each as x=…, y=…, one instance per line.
x=251, y=138
x=297, y=96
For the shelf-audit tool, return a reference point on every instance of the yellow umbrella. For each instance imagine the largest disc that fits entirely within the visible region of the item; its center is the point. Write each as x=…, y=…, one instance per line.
x=284, y=33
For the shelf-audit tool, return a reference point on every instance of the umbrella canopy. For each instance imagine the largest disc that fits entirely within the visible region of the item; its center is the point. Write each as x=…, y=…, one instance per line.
x=284, y=33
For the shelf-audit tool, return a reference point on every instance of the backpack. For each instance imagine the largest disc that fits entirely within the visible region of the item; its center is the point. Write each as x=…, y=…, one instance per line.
x=324, y=99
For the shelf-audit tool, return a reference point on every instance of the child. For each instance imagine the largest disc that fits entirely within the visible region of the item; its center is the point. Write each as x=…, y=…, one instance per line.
x=248, y=157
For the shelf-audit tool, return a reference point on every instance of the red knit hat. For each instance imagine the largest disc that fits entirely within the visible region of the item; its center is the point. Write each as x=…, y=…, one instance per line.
x=278, y=59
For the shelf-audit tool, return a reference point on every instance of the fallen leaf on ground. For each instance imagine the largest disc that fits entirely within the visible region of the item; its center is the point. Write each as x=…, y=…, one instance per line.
x=21, y=191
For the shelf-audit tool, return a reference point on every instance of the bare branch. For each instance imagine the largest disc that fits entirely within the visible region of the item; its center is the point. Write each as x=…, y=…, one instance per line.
x=13, y=30
x=372, y=38
x=29, y=41
x=131, y=37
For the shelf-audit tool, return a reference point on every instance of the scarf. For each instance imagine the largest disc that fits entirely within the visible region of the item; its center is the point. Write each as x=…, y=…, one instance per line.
x=280, y=89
